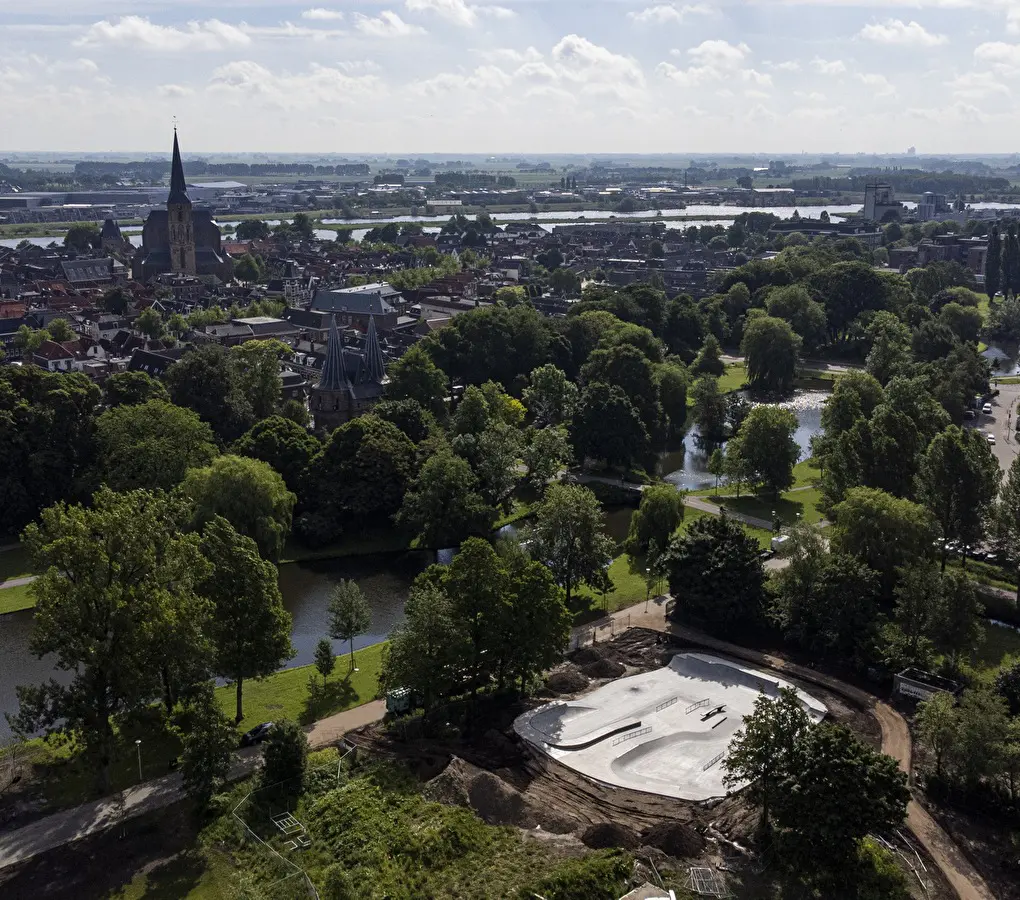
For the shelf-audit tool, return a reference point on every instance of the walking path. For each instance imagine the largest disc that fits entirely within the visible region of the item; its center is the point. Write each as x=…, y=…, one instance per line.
x=715, y=510
x=17, y=582
x=81, y=821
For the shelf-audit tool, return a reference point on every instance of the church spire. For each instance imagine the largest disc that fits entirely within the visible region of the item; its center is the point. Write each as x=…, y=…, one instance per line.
x=178, y=187
x=375, y=368
x=334, y=373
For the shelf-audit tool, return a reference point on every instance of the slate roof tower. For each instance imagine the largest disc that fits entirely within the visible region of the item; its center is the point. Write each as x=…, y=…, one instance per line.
x=179, y=218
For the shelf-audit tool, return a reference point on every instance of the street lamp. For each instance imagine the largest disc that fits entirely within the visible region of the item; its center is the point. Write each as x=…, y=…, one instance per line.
x=138, y=747
x=648, y=586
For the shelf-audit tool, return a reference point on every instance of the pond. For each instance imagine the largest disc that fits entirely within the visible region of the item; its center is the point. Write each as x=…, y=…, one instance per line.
x=687, y=466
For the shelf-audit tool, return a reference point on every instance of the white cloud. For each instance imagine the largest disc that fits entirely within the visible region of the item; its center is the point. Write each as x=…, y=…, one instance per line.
x=977, y=85
x=877, y=83
x=810, y=96
x=721, y=54
x=789, y=65
x=715, y=60
x=1003, y=58
x=319, y=85
x=136, y=31
x=906, y=34
x=580, y=59
x=458, y=11
x=386, y=24
x=510, y=55
x=174, y=90
x=320, y=14
x=1013, y=20
x=665, y=13
x=828, y=67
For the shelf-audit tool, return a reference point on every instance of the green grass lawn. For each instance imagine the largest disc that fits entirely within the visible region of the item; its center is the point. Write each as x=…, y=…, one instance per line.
x=196, y=875
x=806, y=472
x=286, y=694
x=13, y=599
x=734, y=378
x=805, y=503
x=14, y=564
x=999, y=644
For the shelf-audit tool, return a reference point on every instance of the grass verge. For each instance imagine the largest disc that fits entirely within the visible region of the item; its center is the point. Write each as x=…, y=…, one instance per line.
x=999, y=645
x=15, y=599
x=788, y=507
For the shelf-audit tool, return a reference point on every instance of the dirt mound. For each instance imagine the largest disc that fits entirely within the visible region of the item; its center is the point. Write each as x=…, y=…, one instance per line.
x=586, y=655
x=495, y=801
x=604, y=835
x=566, y=679
x=604, y=668
x=675, y=839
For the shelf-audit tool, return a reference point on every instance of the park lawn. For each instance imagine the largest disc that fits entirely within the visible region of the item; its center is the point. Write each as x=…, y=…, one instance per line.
x=734, y=378
x=999, y=644
x=14, y=564
x=14, y=599
x=804, y=502
x=806, y=472
x=199, y=874
x=286, y=694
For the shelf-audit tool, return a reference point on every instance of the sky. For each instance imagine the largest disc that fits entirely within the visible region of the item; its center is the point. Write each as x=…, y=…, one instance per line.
x=511, y=76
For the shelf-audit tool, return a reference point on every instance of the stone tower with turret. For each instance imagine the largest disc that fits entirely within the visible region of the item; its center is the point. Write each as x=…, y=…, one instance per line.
x=180, y=222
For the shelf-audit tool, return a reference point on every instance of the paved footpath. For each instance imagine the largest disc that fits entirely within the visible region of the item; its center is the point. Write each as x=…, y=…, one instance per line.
x=89, y=818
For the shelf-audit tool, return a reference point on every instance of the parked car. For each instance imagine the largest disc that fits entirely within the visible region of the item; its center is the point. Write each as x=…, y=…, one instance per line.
x=969, y=414
x=987, y=409
x=257, y=735
x=991, y=438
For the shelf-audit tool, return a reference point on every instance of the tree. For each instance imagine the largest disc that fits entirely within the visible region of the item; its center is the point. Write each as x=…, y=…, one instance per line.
x=1007, y=686
x=443, y=504
x=628, y=368
x=709, y=358
x=709, y=410
x=28, y=341
x=415, y=376
x=917, y=608
x=247, y=269
x=672, y=381
x=205, y=380
x=565, y=282
x=208, y=739
x=115, y=301
x=499, y=452
x=1006, y=518
x=545, y=454
x=249, y=494
x=607, y=427
x=771, y=348
x=256, y=367
x=569, y=537
x=993, y=264
x=250, y=629
x=938, y=726
x=957, y=627
x=349, y=613
x=150, y=323
x=965, y=322
x=958, y=480
x=805, y=315
x=82, y=236
x=285, y=755
x=884, y=532
x=303, y=226
x=150, y=445
x=129, y=388
x=716, y=570
x=511, y=296
x=845, y=790
x=252, y=230
x=325, y=659
x=659, y=515
x=717, y=466
x=117, y=577
x=409, y=416
x=550, y=397
x=890, y=346
x=761, y=751
x=422, y=651
x=60, y=330
x=765, y=443
x=282, y=444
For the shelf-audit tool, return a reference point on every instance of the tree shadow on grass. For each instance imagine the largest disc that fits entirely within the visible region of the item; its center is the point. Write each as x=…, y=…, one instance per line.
x=327, y=698
x=176, y=878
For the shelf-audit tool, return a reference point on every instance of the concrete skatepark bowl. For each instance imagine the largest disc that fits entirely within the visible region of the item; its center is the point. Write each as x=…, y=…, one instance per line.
x=663, y=732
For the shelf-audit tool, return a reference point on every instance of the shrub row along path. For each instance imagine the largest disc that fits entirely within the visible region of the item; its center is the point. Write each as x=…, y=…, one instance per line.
x=71, y=825
x=89, y=818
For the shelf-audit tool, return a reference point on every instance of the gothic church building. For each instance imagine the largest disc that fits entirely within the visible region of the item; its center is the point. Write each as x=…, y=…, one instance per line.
x=180, y=240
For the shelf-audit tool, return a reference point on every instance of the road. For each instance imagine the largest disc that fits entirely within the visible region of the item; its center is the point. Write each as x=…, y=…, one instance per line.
x=89, y=818
x=1002, y=423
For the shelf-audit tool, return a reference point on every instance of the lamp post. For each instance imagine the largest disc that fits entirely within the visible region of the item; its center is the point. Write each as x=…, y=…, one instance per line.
x=648, y=586
x=138, y=747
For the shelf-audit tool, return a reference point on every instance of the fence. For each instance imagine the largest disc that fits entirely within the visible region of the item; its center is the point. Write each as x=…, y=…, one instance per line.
x=630, y=735
x=666, y=704
x=697, y=705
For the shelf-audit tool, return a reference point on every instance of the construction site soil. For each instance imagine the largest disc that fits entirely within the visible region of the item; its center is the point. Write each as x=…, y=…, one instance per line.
x=507, y=783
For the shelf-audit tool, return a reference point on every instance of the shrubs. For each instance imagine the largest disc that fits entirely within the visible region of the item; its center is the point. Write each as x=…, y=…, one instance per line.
x=599, y=876
x=285, y=756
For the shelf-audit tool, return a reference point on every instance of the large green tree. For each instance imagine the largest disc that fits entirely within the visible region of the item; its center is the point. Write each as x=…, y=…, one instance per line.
x=206, y=381
x=709, y=412
x=246, y=492
x=715, y=571
x=256, y=370
x=415, y=376
x=993, y=263
x=282, y=444
x=766, y=445
x=250, y=629
x=150, y=445
x=349, y=613
x=550, y=396
x=958, y=480
x=126, y=388
x=659, y=515
x=569, y=536
x=1006, y=519
x=208, y=739
x=546, y=452
x=771, y=348
x=607, y=427
x=116, y=595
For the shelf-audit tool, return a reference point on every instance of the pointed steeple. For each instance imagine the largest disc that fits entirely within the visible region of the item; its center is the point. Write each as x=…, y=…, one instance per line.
x=374, y=367
x=178, y=187
x=334, y=373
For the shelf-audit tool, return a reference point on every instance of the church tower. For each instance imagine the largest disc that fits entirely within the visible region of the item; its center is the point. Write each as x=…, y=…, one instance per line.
x=331, y=398
x=179, y=219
